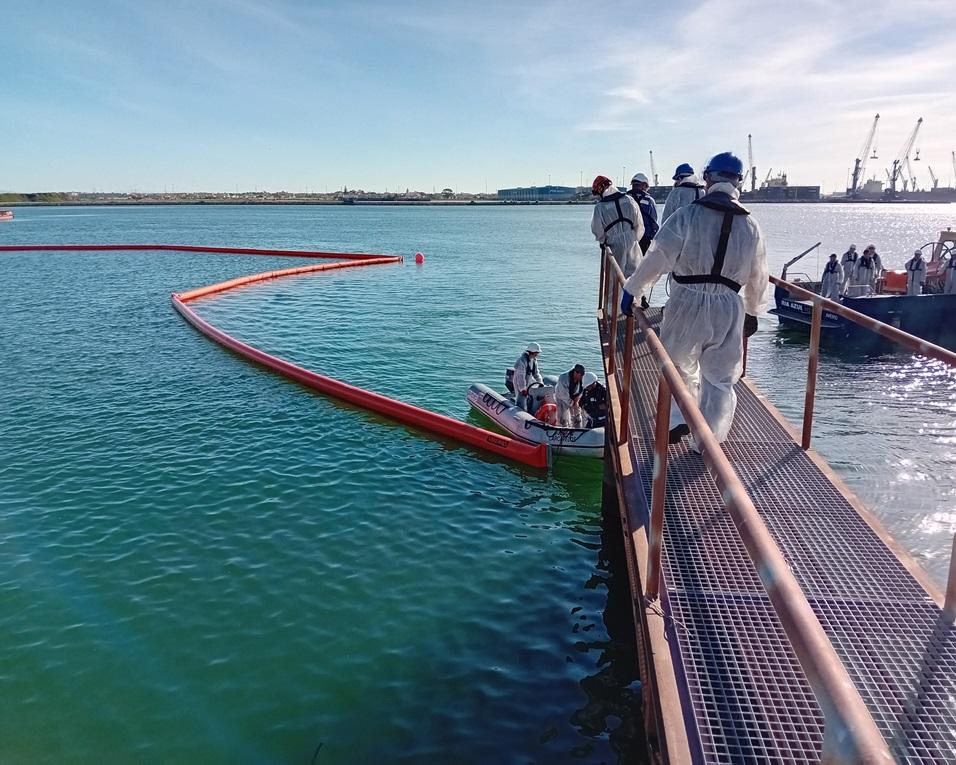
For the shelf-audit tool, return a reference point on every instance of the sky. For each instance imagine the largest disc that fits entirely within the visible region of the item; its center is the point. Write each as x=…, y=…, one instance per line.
x=296, y=95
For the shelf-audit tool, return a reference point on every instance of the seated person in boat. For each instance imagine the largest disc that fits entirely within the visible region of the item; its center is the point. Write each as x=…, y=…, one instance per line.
x=832, y=280
x=526, y=374
x=567, y=393
x=594, y=401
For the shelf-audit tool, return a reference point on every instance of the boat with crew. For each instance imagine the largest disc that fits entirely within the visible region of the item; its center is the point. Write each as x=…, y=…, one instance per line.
x=6, y=214
x=928, y=315
x=501, y=409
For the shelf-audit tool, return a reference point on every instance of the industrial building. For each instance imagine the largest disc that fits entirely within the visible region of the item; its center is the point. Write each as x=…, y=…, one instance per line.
x=539, y=194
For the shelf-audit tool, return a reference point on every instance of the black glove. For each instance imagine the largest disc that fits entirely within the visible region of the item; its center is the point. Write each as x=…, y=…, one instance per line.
x=750, y=325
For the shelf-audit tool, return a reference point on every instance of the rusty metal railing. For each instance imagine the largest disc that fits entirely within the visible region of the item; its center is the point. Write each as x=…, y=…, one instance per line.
x=908, y=341
x=850, y=735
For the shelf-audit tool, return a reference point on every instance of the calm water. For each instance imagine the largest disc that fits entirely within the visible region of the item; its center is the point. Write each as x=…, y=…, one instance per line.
x=200, y=561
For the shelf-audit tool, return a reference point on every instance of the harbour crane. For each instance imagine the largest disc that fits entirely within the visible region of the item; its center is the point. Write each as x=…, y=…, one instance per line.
x=653, y=169
x=750, y=160
x=903, y=156
x=932, y=176
x=911, y=174
x=859, y=164
x=953, y=155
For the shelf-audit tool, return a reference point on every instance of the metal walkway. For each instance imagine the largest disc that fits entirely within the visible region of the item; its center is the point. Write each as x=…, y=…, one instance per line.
x=742, y=693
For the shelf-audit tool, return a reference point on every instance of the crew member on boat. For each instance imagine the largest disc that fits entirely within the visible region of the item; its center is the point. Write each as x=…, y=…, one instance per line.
x=714, y=250
x=567, y=395
x=865, y=272
x=915, y=274
x=848, y=263
x=617, y=223
x=526, y=373
x=832, y=280
x=687, y=189
x=594, y=401
x=648, y=207
x=949, y=285
x=877, y=260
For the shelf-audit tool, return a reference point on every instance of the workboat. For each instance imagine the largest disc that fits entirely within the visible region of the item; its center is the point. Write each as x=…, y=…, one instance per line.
x=500, y=408
x=6, y=214
x=929, y=315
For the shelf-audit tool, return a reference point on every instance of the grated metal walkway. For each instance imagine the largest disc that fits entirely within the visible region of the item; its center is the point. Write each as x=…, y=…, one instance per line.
x=744, y=694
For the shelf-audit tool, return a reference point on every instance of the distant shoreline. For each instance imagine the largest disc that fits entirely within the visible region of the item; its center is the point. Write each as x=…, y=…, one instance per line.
x=282, y=202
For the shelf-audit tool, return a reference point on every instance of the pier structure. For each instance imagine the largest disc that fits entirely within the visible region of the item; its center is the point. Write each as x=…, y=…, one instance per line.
x=776, y=619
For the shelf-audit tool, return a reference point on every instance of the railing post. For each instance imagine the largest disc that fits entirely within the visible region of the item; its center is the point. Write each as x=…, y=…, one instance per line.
x=624, y=430
x=612, y=328
x=949, y=608
x=655, y=539
x=812, y=373
x=602, y=282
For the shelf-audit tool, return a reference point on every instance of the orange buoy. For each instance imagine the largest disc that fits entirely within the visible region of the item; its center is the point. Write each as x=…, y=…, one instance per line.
x=419, y=258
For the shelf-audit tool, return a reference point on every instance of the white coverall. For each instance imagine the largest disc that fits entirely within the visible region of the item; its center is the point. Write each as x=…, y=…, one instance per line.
x=526, y=373
x=865, y=272
x=703, y=323
x=832, y=280
x=915, y=275
x=848, y=262
x=950, y=285
x=687, y=190
x=569, y=412
x=621, y=238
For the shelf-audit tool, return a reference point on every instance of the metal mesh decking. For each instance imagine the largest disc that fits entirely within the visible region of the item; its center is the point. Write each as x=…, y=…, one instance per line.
x=750, y=700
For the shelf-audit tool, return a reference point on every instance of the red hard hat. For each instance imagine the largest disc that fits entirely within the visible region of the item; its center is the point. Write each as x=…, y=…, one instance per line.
x=600, y=183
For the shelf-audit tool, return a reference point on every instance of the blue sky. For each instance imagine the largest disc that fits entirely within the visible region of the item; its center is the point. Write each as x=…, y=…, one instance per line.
x=219, y=94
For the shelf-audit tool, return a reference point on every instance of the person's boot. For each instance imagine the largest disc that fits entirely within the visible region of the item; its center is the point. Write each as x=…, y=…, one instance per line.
x=644, y=304
x=677, y=433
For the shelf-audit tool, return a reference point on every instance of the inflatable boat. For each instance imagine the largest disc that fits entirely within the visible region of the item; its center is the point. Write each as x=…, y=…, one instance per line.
x=6, y=214
x=577, y=442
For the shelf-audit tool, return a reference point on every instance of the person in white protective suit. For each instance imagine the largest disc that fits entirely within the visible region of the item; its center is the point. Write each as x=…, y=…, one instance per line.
x=617, y=222
x=866, y=272
x=877, y=260
x=715, y=252
x=848, y=262
x=567, y=395
x=949, y=283
x=687, y=189
x=832, y=281
x=526, y=373
x=915, y=274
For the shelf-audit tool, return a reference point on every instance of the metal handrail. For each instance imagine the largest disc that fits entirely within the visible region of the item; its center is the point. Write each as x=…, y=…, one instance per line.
x=911, y=342
x=850, y=735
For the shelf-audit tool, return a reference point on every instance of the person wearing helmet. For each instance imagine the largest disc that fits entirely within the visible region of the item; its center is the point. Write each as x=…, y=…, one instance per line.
x=848, y=262
x=832, y=279
x=687, y=189
x=617, y=223
x=915, y=274
x=648, y=207
x=716, y=255
x=526, y=373
x=594, y=401
x=567, y=394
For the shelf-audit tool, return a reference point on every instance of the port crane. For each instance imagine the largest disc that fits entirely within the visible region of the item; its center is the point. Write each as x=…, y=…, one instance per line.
x=653, y=169
x=932, y=176
x=750, y=161
x=859, y=164
x=903, y=157
x=953, y=155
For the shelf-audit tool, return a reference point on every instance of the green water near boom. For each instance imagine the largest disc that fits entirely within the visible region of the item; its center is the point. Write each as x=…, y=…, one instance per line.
x=201, y=561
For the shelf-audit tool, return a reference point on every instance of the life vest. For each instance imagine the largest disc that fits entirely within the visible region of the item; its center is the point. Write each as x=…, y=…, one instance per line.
x=721, y=202
x=831, y=268
x=547, y=413
x=530, y=367
x=952, y=262
x=574, y=388
x=915, y=265
x=690, y=185
x=644, y=199
x=866, y=263
x=616, y=198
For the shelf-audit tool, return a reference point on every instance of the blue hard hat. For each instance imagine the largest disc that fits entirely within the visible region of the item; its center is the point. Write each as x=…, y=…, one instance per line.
x=725, y=162
x=681, y=171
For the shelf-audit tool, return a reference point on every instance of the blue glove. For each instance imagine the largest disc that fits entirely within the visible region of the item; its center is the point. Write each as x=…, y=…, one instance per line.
x=626, y=302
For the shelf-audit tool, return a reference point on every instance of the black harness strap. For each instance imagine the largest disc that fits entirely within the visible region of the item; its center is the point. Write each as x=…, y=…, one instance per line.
x=715, y=276
x=616, y=198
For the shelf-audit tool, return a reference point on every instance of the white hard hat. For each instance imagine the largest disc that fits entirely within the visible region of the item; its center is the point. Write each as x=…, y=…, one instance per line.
x=640, y=177
x=533, y=348
x=589, y=379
